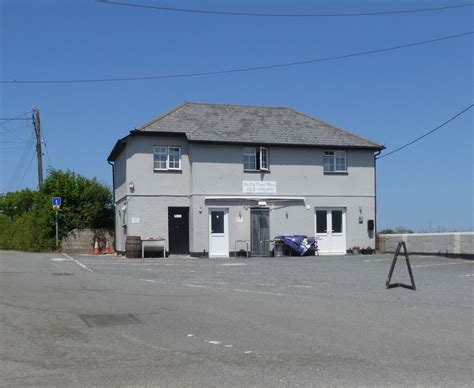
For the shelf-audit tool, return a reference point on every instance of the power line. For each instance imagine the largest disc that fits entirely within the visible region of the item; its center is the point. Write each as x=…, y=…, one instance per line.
x=16, y=148
x=202, y=11
x=46, y=148
x=428, y=133
x=27, y=168
x=12, y=131
x=22, y=160
x=19, y=117
x=238, y=70
x=21, y=163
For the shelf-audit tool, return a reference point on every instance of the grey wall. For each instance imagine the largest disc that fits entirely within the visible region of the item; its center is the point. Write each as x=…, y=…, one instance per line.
x=121, y=220
x=430, y=243
x=218, y=169
x=300, y=219
x=150, y=182
x=213, y=170
x=120, y=172
x=82, y=240
x=152, y=215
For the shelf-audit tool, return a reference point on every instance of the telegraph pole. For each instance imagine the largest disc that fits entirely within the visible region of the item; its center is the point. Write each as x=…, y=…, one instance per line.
x=39, y=153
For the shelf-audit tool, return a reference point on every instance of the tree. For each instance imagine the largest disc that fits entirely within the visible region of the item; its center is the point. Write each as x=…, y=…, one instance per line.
x=398, y=230
x=27, y=220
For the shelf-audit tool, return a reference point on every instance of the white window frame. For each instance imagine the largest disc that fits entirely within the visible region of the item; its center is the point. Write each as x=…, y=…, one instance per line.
x=258, y=157
x=167, y=164
x=334, y=155
x=262, y=149
x=179, y=158
x=250, y=152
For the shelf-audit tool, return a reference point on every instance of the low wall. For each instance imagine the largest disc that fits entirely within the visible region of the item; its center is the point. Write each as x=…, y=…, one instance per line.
x=82, y=240
x=445, y=244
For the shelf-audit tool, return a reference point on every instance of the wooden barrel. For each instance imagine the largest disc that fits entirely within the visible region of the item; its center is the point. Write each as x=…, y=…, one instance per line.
x=133, y=247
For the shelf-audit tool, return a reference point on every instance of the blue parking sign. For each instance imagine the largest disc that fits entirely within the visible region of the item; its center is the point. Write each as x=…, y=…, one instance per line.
x=56, y=202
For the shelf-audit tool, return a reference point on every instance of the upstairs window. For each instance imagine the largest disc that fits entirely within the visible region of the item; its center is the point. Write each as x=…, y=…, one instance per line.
x=334, y=161
x=166, y=158
x=256, y=159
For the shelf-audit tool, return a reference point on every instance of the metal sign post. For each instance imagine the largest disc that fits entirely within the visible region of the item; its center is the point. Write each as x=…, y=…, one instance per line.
x=57, y=234
x=56, y=202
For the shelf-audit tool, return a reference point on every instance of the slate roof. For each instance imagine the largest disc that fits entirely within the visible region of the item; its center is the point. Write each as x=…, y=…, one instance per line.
x=252, y=124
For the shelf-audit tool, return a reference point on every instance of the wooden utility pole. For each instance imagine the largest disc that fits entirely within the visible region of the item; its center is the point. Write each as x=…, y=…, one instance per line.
x=39, y=152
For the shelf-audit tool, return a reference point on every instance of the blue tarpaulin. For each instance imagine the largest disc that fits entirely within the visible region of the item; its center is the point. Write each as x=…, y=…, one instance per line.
x=298, y=243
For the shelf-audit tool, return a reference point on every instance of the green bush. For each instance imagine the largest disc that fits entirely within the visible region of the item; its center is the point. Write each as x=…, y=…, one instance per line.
x=398, y=230
x=27, y=220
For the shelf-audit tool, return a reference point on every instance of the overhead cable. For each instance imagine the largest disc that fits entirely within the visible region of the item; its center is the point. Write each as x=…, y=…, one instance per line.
x=238, y=70
x=301, y=15
x=427, y=133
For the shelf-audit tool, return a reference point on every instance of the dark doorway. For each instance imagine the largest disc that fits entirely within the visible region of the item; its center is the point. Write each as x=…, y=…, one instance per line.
x=178, y=230
x=260, y=232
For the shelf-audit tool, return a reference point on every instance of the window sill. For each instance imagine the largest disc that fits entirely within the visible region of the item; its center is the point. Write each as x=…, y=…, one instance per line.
x=255, y=171
x=336, y=173
x=167, y=171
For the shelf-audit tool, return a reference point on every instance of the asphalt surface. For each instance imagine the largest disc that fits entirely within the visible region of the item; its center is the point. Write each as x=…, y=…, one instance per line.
x=274, y=322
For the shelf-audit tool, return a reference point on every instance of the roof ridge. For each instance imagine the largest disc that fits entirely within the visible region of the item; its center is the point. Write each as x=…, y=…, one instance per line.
x=237, y=105
x=163, y=115
x=334, y=127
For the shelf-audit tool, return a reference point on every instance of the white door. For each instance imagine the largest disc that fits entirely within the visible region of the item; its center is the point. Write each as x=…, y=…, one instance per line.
x=218, y=232
x=331, y=230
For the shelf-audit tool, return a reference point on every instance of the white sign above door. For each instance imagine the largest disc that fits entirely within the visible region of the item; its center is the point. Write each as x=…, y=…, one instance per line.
x=259, y=187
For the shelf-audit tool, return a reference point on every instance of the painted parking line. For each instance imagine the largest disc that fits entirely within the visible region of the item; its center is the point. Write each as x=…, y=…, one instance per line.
x=256, y=292
x=195, y=285
x=80, y=264
x=466, y=276
x=435, y=265
x=60, y=259
x=153, y=281
x=369, y=261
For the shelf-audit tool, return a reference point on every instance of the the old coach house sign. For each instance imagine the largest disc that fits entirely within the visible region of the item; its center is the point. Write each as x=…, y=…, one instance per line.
x=259, y=187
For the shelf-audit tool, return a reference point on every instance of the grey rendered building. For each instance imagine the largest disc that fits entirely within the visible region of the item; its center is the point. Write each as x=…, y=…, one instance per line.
x=206, y=176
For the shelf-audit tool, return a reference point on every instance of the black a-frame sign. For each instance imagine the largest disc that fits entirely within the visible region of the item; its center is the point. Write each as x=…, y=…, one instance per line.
x=397, y=252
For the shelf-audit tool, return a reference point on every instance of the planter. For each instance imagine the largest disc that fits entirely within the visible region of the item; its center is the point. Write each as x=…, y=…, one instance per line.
x=355, y=251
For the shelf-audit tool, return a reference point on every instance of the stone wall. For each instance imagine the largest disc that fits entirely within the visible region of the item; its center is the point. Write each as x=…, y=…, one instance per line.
x=445, y=244
x=82, y=240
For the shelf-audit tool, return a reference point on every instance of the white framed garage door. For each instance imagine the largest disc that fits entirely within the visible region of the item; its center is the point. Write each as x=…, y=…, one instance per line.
x=330, y=228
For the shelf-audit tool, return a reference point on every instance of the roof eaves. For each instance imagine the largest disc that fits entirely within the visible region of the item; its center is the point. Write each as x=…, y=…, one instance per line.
x=372, y=146
x=160, y=133
x=118, y=147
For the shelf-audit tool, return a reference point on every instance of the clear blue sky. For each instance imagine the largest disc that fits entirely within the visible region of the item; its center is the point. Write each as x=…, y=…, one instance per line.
x=389, y=98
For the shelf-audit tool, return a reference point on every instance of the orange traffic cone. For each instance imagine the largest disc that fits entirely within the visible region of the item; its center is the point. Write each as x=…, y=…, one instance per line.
x=96, y=247
x=107, y=247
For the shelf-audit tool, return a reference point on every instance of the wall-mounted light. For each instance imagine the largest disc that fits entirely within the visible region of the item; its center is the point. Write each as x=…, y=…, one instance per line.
x=200, y=209
x=286, y=214
x=131, y=186
x=240, y=214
